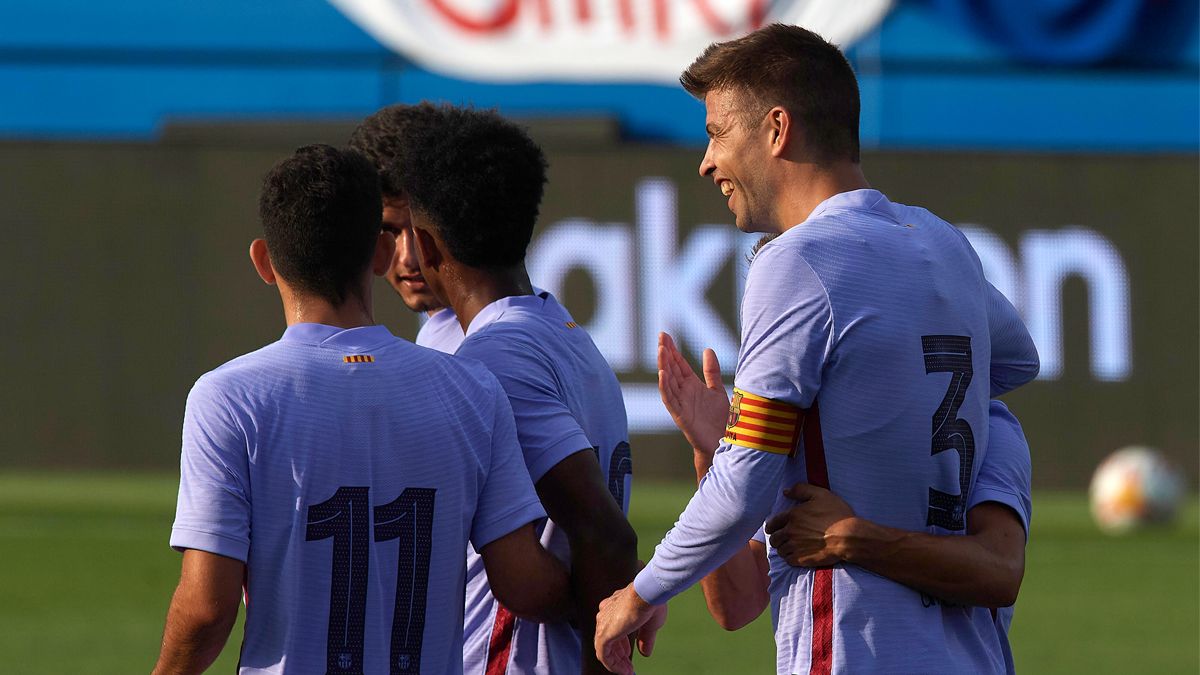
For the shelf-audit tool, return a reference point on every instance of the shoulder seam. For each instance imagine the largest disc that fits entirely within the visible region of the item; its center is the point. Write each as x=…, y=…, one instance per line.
x=824, y=289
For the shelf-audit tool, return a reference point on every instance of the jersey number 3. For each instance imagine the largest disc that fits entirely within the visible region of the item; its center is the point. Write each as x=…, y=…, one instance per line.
x=344, y=517
x=951, y=354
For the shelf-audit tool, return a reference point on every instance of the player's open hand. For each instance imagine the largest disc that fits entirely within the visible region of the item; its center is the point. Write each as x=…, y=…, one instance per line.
x=623, y=613
x=804, y=534
x=699, y=408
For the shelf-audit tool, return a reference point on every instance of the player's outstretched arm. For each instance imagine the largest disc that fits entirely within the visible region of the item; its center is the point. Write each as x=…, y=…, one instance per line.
x=603, y=544
x=526, y=578
x=737, y=591
x=983, y=568
x=202, y=613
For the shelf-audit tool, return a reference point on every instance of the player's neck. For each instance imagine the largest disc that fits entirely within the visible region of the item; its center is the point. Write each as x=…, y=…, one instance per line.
x=478, y=288
x=810, y=184
x=355, y=312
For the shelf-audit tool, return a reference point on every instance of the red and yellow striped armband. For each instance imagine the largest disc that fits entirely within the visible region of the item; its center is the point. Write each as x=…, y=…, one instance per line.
x=763, y=424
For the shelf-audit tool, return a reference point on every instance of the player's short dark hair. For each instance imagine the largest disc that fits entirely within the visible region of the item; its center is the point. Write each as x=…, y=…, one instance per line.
x=383, y=136
x=321, y=218
x=791, y=67
x=480, y=183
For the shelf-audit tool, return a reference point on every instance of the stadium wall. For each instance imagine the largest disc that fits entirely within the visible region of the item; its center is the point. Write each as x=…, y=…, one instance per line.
x=128, y=277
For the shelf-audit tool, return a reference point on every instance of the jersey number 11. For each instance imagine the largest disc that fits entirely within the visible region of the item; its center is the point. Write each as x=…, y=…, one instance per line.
x=344, y=517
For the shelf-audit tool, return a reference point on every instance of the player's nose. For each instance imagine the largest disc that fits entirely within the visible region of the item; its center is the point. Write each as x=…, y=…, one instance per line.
x=406, y=250
x=707, y=165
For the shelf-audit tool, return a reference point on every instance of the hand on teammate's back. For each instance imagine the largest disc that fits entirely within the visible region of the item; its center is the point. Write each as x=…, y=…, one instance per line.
x=806, y=534
x=698, y=408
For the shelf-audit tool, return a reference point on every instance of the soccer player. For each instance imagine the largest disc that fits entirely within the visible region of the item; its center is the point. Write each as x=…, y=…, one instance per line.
x=318, y=479
x=474, y=204
x=381, y=137
x=871, y=345
x=982, y=568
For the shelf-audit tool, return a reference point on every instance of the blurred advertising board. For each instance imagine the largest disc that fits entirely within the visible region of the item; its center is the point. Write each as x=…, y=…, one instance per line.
x=130, y=279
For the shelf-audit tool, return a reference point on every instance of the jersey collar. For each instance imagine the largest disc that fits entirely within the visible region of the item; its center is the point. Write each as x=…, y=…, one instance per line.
x=857, y=200
x=493, y=311
x=441, y=316
x=321, y=335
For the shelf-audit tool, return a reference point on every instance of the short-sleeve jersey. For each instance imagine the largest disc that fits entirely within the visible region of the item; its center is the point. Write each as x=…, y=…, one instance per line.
x=870, y=346
x=565, y=398
x=441, y=331
x=1005, y=478
x=350, y=489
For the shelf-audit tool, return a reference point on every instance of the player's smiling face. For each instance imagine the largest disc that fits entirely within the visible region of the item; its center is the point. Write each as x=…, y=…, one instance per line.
x=733, y=159
x=404, y=274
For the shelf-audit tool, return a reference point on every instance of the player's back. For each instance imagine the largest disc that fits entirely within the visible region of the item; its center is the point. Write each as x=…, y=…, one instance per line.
x=363, y=475
x=565, y=398
x=897, y=427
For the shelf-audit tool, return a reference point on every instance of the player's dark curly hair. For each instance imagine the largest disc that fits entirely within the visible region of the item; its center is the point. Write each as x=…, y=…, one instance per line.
x=480, y=183
x=321, y=217
x=383, y=138
x=792, y=67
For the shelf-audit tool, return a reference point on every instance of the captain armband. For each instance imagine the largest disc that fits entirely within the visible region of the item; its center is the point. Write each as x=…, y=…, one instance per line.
x=762, y=424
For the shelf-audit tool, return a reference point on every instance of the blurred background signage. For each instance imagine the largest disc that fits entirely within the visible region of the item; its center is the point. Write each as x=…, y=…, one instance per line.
x=1060, y=136
x=646, y=276
x=589, y=39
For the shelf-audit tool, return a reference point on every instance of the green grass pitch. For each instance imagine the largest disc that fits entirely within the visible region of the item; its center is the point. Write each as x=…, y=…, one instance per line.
x=85, y=577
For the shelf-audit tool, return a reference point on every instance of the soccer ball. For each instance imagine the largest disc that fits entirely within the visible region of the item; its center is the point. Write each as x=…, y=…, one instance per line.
x=1134, y=487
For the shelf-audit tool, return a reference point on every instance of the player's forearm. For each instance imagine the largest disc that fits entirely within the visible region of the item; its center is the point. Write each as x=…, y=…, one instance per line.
x=958, y=569
x=546, y=597
x=527, y=579
x=731, y=504
x=193, y=639
x=737, y=591
x=601, y=563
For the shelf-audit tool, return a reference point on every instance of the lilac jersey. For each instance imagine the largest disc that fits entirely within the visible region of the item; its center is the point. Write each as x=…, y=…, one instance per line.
x=565, y=399
x=350, y=495
x=1004, y=477
x=441, y=331
x=871, y=344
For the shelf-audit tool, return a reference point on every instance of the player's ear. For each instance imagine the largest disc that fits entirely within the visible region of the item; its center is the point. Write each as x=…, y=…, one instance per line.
x=262, y=261
x=385, y=248
x=779, y=125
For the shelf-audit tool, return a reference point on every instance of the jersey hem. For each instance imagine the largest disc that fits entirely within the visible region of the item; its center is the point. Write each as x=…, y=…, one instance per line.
x=507, y=523
x=555, y=453
x=209, y=542
x=1008, y=498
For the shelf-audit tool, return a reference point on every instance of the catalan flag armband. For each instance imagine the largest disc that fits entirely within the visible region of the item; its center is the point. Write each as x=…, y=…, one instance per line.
x=763, y=424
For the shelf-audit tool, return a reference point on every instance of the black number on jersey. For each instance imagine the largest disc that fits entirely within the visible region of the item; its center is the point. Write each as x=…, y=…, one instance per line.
x=410, y=519
x=951, y=354
x=620, y=465
x=346, y=518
